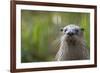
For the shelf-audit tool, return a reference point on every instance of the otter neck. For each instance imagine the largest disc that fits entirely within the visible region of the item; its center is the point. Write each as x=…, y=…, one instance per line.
x=74, y=44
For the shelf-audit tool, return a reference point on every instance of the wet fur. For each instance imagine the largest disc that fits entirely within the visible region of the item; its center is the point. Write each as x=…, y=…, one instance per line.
x=72, y=48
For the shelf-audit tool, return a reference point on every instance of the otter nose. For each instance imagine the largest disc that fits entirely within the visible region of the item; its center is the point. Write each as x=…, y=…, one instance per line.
x=70, y=33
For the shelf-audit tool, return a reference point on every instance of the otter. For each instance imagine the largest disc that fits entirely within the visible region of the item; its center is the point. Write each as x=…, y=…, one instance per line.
x=72, y=44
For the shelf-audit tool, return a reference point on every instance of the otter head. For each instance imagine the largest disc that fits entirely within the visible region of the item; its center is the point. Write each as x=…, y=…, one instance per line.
x=72, y=33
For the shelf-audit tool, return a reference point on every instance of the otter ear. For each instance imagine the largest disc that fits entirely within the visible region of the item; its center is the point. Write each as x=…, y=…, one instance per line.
x=61, y=29
x=82, y=29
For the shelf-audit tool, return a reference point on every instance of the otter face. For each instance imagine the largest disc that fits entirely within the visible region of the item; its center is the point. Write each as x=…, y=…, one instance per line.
x=72, y=31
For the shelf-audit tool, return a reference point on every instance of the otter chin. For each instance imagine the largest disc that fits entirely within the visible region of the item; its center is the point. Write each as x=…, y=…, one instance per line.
x=72, y=44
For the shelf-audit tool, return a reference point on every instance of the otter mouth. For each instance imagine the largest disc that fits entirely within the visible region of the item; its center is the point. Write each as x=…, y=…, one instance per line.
x=71, y=42
x=70, y=39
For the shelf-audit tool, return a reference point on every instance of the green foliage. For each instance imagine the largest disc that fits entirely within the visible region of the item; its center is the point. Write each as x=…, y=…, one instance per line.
x=40, y=32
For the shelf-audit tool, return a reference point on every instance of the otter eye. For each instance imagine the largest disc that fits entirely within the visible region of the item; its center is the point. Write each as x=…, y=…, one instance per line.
x=76, y=30
x=65, y=30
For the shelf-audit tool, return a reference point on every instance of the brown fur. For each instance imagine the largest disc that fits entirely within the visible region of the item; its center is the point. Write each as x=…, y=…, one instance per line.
x=72, y=48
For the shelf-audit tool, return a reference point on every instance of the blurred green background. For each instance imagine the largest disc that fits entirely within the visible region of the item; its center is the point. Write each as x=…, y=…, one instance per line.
x=40, y=32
